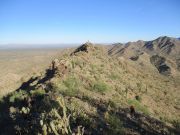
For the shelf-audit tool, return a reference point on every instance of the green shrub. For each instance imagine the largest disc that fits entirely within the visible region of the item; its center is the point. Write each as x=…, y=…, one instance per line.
x=112, y=104
x=102, y=65
x=115, y=125
x=17, y=95
x=1, y=99
x=82, y=119
x=138, y=106
x=72, y=86
x=138, y=98
x=100, y=87
x=38, y=92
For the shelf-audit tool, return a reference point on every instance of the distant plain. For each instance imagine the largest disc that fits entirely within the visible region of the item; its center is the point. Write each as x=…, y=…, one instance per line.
x=17, y=65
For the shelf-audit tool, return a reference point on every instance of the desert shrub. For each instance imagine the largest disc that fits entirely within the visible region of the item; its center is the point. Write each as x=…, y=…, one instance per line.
x=54, y=87
x=69, y=86
x=138, y=98
x=70, y=82
x=81, y=118
x=56, y=120
x=102, y=65
x=112, y=104
x=72, y=86
x=17, y=95
x=1, y=99
x=176, y=123
x=163, y=119
x=38, y=92
x=138, y=106
x=115, y=124
x=100, y=87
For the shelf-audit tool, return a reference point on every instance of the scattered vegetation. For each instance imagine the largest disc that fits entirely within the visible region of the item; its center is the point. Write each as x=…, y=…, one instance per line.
x=72, y=86
x=115, y=125
x=38, y=92
x=77, y=63
x=92, y=97
x=51, y=115
x=176, y=123
x=59, y=121
x=100, y=87
x=17, y=96
x=138, y=98
x=138, y=106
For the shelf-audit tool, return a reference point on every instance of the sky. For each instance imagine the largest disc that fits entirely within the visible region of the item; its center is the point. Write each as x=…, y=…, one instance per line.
x=76, y=21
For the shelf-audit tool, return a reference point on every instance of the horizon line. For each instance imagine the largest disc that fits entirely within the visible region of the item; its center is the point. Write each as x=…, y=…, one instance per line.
x=79, y=43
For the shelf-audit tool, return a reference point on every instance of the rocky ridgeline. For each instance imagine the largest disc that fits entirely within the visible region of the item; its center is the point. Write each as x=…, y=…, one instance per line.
x=87, y=47
x=162, y=47
x=41, y=107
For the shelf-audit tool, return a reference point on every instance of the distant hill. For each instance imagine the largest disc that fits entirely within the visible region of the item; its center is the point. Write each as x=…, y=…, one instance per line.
x=97, y=90
x=165, y=50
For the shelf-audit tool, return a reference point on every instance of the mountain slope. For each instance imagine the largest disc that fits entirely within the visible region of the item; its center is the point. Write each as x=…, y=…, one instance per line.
x=163, y=47
x=88, y=91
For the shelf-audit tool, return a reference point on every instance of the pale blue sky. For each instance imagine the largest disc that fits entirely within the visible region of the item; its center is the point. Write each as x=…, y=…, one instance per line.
x=76, y=21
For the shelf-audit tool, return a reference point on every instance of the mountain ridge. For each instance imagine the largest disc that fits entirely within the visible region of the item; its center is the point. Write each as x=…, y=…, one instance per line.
x=89, y=91
x=166, y=47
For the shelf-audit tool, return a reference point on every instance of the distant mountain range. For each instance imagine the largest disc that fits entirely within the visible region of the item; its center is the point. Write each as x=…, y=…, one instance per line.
x=163, y=52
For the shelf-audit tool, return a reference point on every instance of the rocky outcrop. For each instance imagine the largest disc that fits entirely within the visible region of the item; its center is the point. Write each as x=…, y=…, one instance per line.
x=162, y=44
x=160, y=63
x=54, y=64
x=84, y=48
x=59, y=67
x=134, y=58
x=116, y=48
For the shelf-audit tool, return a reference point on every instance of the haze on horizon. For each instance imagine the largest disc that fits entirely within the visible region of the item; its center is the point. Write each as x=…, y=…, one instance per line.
x=69, y=21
